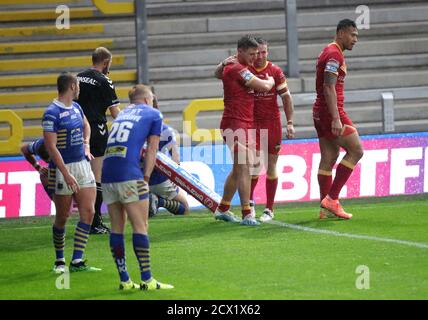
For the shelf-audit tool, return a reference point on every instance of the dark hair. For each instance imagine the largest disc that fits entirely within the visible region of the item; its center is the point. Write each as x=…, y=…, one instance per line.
x=247, y=42
x=43, y=153
x=64, y=81
x=344, y=24
x=100, y=54
x=260, y=40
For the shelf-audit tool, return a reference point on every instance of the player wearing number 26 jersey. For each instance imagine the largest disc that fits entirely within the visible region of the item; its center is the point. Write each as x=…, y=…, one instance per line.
x=127, y=136
x=125, y=187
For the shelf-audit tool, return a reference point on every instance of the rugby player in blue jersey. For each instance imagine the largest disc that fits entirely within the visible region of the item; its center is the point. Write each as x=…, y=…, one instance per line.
x=66, y=135
x=125, y=187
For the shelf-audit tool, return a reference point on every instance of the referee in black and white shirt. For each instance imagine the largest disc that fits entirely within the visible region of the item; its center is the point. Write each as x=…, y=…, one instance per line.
x=97, y=94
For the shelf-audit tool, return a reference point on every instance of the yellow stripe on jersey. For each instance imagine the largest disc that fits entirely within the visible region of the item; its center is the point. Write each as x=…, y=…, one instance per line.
x=282, y=86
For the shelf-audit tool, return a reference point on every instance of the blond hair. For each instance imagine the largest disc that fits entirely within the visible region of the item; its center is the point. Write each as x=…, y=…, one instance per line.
x=139, y=91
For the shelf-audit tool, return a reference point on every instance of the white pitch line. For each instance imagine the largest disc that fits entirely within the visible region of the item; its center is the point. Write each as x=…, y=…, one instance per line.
x=349, y=235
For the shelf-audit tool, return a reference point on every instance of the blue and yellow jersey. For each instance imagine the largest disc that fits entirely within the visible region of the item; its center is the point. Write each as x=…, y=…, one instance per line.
x=33, y=147
x=167, y=140
x=67, y=123
x=128, y=134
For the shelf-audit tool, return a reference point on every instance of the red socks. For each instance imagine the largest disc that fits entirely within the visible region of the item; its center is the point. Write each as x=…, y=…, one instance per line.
x=271, y=185
x=325, y=180
x=246, y=210
x=224, y=206
x=254, y=180
x=343, y=172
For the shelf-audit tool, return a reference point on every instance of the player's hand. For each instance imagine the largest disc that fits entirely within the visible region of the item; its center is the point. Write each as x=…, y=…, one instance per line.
x=230, y=60
x=43, y=171
x=336, y=127
x=271, y=80
x=88, y=153
x=71, y=182
x=290, y=131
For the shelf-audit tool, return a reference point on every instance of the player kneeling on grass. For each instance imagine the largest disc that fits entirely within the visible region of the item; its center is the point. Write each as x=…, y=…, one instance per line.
x=163, y=192
x=125, y=188
x=66, y=133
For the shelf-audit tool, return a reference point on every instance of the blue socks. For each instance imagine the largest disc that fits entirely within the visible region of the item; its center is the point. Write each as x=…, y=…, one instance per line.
x=117, y=246
x=141, y=249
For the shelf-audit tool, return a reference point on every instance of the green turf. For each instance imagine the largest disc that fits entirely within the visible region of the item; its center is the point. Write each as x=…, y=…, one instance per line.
x=207, y=259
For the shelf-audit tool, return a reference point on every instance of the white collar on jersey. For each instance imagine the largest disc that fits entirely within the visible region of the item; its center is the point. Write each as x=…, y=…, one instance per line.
x=62, y=105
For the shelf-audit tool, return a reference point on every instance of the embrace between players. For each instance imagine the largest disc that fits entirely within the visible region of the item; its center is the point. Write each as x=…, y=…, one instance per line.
x=251, y=85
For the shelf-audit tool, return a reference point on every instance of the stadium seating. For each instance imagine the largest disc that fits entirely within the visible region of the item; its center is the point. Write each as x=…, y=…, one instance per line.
x=186, y=40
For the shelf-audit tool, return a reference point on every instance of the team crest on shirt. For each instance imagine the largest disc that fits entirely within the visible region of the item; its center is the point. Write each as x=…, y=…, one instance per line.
x=246, y=75
x=343, y=68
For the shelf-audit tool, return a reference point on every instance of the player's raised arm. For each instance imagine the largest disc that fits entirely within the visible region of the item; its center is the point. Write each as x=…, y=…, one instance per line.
x=218, y=73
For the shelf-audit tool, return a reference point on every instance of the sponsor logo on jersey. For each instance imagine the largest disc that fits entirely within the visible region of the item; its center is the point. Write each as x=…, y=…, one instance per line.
x=116, y=151
x=87, y=80
x=64, y=114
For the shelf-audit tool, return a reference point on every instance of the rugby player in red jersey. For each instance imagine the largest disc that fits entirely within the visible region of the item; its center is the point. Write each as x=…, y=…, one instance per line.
x=334, y=128
x=239, y=84
x=267, y=119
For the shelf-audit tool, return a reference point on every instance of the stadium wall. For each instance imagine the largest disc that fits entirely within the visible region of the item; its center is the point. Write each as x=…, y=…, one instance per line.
x=393, y=164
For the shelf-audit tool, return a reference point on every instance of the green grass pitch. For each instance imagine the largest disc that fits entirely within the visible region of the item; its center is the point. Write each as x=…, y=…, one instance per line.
x=299, y=257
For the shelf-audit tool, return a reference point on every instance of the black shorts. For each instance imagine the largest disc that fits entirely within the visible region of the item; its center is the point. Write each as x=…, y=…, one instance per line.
x=98, y=141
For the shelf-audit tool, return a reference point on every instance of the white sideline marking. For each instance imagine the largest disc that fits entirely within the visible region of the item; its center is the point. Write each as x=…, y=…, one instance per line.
x=349, y=235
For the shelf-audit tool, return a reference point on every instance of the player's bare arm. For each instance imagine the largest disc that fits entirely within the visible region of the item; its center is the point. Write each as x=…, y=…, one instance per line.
x=56, y=157
x=150, y=155
x=287, y=102
x=30, y=157
x=86, y=137
x=261, y=85
x=218, y=73
x=329, y=90
x=114, y=110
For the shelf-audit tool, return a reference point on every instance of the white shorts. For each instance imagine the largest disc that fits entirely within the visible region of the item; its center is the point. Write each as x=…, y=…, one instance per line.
x=167, y=190
x=81, y=171
x=125, y=192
